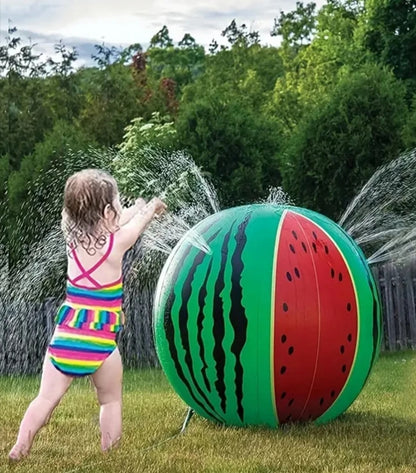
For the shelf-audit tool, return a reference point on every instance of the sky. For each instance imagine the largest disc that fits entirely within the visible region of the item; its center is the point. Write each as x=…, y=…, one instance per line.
x=83, y=23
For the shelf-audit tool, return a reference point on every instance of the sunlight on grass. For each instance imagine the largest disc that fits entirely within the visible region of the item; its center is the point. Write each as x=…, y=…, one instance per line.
x=376, y=435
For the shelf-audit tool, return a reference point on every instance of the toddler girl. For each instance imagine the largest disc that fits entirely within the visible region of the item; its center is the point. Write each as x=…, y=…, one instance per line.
x=98, y=232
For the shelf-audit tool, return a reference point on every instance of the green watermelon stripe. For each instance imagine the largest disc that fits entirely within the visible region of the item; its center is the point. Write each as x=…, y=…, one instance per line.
x=218, y=329
x=183, y=318
x=237, y=313
x=200, y=325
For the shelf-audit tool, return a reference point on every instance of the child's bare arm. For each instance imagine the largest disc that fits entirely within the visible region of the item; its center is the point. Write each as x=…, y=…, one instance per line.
x=129, y=212
x=130, y=232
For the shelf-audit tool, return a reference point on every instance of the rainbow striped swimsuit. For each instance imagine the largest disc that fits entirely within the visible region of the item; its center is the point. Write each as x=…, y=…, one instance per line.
x=87, y=324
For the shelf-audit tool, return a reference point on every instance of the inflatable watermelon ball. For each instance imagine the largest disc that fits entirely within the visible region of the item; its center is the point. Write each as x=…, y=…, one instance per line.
x=279, y=323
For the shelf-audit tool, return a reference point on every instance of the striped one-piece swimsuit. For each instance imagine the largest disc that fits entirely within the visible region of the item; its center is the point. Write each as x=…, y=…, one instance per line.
x=87, y=323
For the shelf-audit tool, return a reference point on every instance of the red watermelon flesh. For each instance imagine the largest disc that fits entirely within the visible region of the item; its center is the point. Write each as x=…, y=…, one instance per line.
x=315, y=325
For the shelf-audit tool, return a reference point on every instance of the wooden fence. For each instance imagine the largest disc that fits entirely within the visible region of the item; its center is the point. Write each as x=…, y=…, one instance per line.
x=22, y=346
x=397, y=285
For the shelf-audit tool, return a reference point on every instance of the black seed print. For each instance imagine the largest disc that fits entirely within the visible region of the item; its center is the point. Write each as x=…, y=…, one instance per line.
x=342, y=349
x=332, y=393
x=291, y=350
x=340, y=277
x=326, y=249
x=297, y=272
x=283, y=339
x=332, y=273
x=344, y=368
x=283, y=395
x=294, y=235
x=289, y=276
x=321, y=401
x=291, y=402
x=349, y=307
x=304, y=247
x=314, y=235
x=292, y=249
x=285, y=307
x=314, y=247
x=283, y=370
x=349, y=338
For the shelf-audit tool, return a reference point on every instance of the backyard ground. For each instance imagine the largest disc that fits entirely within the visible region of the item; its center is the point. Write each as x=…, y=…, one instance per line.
x=376, y=435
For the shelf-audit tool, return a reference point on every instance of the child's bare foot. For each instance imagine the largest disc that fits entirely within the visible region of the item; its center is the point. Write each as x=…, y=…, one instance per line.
x=18, y=452
x=111, y=445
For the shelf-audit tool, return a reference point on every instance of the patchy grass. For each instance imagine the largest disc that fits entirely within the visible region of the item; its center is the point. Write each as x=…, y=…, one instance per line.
x=376, y=435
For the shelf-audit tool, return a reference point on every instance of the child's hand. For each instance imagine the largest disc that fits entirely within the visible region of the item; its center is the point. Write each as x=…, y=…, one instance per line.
x=158, y=206
x=139, y=203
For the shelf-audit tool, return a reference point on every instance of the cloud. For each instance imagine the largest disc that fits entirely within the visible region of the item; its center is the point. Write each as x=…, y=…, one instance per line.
x=129, y=21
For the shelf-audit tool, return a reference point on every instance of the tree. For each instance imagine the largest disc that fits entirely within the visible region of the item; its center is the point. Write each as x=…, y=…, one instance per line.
x=34, y=93
x=112, y=100
x=388, y=31
x=239, y=36
x=34, y=192
x=313, y=70
x=232, y=142
x=181, y=63
x=297, y=26
x=337, y=146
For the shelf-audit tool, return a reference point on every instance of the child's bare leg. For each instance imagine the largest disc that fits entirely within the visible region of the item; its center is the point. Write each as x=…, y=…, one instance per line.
x=108, y=382
x=53, y=386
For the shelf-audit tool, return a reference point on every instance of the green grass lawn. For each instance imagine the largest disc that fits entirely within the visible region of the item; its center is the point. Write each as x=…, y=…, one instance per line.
x=377, y=434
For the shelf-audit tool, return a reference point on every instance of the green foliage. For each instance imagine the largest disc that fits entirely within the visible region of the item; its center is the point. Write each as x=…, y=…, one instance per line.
x=37, y=184
x=320, y=109
x=313, y=70
x=239, y=36
x=158, y=132
x=338, y=145
x=297, y=26
x=235, y=144
x=181, y=64
x=388, y=30
x=34, y=94
x=409, y=130
x=111, y=101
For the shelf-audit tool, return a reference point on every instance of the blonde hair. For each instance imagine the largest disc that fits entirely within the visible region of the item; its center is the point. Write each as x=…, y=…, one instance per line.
x=86, y=195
